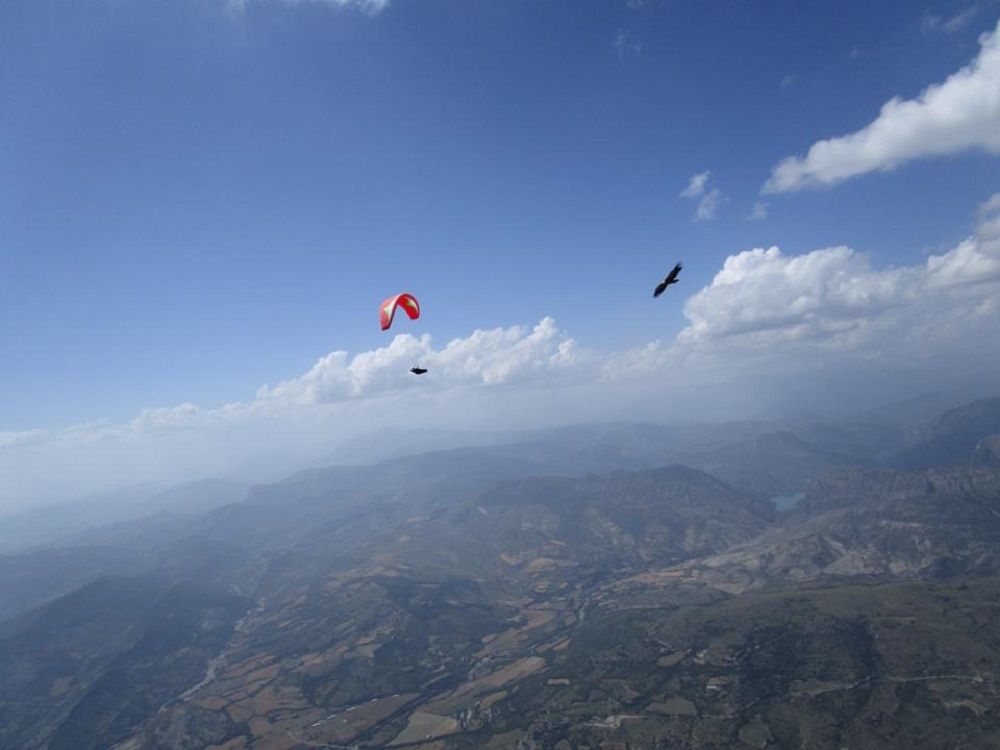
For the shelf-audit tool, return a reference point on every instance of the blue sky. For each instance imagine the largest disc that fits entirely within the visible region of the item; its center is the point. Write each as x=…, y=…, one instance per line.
x=203, y=201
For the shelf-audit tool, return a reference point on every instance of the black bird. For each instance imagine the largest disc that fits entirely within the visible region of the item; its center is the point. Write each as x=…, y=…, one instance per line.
x=418, y=370
x=671, y=279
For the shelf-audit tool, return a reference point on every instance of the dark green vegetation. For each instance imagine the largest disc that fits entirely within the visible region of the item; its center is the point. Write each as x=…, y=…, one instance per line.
x=578, y=589
x=107, y=657
x=891, y=665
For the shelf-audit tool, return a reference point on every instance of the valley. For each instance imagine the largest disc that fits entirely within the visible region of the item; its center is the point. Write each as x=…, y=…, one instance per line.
x=473, y=599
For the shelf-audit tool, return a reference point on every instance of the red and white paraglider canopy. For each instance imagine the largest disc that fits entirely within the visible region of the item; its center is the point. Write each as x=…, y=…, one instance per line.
x=407, y=301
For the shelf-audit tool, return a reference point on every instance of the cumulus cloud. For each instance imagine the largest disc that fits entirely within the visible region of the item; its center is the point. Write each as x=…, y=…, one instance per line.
x=494, y=357
x=762, y=291
x=961, y=114
x=826, y=327
x=708, y=199
x=832, y=300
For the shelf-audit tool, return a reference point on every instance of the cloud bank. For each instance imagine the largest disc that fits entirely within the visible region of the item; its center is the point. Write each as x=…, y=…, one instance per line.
x=495, y=357
x=765, y=321
x=961, y=114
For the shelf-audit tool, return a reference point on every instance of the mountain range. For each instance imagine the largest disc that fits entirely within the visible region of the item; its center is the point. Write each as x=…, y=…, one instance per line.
x=614, y=586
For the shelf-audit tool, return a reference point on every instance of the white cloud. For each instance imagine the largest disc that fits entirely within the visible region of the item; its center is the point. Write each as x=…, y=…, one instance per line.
x=930, y=23
x=708, y=205
x=504, y=355
x=762, y=291
x=495, y=357
x=653, y=357
x=961, y=114
x=827, y=328
x=989, y=224
x=832, y=300
x=696, y=185
x=371, y=7
x=708, y=200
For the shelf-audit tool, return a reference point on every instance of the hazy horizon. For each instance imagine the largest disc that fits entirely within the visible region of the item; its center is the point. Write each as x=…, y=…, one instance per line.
x=205, y=203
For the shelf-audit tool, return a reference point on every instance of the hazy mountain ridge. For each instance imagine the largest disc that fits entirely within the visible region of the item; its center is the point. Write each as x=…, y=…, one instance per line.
x=626, y=518
x=877, y=486
x=766, y=457
x=869, y=524
x=33, y=577
x=62, y=524
x=952, y=437
x=50, y=524
x=171, y=545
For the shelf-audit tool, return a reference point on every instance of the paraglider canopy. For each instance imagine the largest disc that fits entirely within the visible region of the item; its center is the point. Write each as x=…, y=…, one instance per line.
x=407, y=301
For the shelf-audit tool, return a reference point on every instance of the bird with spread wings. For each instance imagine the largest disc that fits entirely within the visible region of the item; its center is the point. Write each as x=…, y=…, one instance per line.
x=670, y=279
